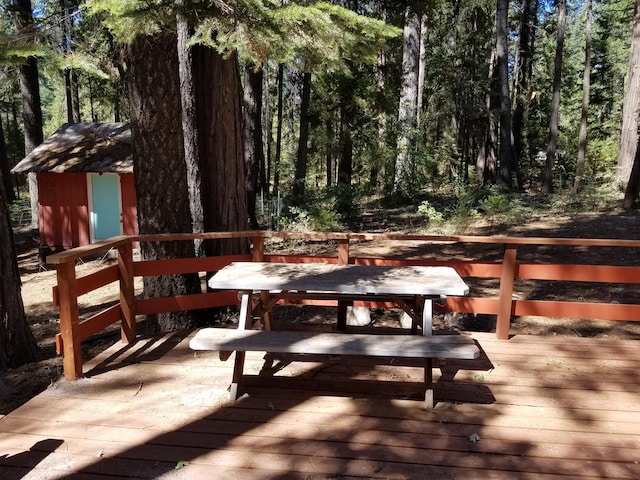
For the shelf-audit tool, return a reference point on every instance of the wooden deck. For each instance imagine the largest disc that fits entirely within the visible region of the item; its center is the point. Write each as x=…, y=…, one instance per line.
x=530, y=407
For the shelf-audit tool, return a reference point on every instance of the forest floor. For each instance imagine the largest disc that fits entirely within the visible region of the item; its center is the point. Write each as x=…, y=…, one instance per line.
x=18, y=385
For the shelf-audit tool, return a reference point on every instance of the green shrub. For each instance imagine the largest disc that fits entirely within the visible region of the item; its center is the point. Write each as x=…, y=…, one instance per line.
x=430, y=214
x=317, y=219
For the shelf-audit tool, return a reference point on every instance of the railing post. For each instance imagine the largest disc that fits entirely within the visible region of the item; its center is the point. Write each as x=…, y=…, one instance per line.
x=127, y=293
x=343, y=251
x=258, y=249
x=505, y=301
x=69, y=320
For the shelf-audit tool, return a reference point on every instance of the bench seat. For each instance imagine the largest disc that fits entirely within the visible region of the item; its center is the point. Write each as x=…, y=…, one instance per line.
x=408, y=346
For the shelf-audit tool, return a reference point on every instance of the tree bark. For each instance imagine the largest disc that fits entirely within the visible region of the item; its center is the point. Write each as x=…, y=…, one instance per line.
x=301, y=157
x=160, y=173
x=586, y=87
x=219, y=113
x=407, y=107
x=5, y=168
x=631, y=106
x=17, y=343
x=189, y=124
x=633, y=185
x=345, y=162
x=31, y=107
x=507, y=161
x=422, y=68
x=547, y=182
x=486, y=159
x=279, y=114
x=253, y=150
x=525, y=56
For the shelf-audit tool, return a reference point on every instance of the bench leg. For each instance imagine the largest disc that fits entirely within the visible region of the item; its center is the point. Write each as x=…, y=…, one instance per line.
x=429, y=400
x=238, y=368
x=341, y=324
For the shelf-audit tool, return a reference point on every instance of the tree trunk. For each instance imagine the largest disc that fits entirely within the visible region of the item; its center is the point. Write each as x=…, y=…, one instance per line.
x=381, y=160
x=631, y=106
x=219, y=110
x=253, y=151
x=278, y=153
x=328, y=158
x=525, y=56
x=633, y=185
x=68, y=95
x=160, y=173
x=5, y=168
x=31, y=108
x=75, y=92
x=486, y=160
x=507, y=162
x=547, y=182
x=189, y=124
x=17, y=344
x=345, y=165
x=408, y=100
x=301, y=158
x=586, y=86
x=422, y=68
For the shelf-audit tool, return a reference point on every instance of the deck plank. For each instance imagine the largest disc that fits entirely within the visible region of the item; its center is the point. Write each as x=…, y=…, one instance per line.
x=541, y=408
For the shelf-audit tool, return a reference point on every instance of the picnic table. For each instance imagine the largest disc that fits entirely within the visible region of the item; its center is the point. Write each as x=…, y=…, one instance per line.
x=262, y=285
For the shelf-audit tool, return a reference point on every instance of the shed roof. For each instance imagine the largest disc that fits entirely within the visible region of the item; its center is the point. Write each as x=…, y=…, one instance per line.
x=82, y=147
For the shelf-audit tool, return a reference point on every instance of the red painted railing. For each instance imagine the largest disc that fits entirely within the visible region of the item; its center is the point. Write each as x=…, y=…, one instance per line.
x=507, y=269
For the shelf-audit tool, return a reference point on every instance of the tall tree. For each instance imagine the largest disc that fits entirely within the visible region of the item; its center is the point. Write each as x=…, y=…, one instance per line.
x=303, y=139
x=17, y=344
x=486, y=158
x=525, y=56
x=631, y=106
x=554, y=120
x=69, y=10
x=163, y=204
x=507, y=160
x=189, y=121
x=219, y=113
x=253, y=137
x=407, y=108
x=586, y=87
x=31, y=106
x=633, y=185
x=5, y=168
x=279, y=120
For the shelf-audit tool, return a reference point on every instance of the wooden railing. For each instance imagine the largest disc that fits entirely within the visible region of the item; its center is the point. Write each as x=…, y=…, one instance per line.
x=505, y=268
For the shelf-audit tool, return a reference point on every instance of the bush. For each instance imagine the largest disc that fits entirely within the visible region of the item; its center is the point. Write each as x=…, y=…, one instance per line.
x=429, y=213
x=317, y=219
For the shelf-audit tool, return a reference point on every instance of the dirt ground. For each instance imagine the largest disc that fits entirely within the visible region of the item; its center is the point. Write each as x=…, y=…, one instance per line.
x=18, y=385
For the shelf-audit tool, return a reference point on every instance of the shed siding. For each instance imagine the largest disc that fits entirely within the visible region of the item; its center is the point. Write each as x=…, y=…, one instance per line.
x=63, y=209
x=129, y=212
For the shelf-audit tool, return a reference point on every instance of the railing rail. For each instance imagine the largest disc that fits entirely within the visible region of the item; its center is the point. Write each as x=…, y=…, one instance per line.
x=508, y=269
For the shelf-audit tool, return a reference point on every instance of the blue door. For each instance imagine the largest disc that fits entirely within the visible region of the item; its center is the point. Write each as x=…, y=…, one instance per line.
x=106, y=218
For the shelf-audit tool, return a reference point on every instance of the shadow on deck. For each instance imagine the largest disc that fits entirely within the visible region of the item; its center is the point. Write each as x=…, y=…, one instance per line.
x=530, y=407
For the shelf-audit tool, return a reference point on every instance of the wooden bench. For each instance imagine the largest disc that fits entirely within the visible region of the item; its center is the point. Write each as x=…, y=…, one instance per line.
x=408, y=346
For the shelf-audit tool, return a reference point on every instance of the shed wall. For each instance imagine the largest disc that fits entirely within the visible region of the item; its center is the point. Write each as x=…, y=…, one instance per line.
x=63, y=209
x=129, y=209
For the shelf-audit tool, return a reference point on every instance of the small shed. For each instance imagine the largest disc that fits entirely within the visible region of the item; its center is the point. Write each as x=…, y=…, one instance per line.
x=86, y=188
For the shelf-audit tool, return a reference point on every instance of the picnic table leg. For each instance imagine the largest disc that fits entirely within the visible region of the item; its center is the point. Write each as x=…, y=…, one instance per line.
x=244, y=322
x=341, y=324
x=427, y=331
x=238, y=368
x=429, y=400
x=427, y=317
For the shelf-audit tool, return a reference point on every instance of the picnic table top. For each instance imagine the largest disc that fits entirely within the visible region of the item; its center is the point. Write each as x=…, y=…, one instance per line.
x=338, y=278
